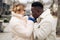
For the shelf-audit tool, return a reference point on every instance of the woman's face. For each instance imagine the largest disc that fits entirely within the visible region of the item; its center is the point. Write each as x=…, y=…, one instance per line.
x=20, y=10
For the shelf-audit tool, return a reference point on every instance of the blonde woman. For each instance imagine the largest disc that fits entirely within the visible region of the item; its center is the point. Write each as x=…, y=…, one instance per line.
x=20, y=27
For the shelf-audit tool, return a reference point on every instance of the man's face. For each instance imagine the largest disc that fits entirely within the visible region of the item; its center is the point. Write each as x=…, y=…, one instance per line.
x=36, y=11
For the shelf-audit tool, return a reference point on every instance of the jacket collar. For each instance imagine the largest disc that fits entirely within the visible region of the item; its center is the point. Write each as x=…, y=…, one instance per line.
x=45, y=14
x=17, y=15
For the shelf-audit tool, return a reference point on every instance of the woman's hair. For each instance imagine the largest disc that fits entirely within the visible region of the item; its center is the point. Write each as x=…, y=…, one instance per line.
x=17, y=7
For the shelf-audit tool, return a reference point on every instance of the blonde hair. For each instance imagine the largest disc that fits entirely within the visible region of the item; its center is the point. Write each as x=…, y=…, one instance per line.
x=17, y=7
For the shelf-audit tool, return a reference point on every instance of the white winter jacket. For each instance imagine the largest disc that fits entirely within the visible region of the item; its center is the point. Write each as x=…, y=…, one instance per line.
x=46, y=28
x=20, y=27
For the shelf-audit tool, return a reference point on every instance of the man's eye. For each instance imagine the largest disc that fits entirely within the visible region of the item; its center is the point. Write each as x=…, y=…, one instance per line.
x=38, y=11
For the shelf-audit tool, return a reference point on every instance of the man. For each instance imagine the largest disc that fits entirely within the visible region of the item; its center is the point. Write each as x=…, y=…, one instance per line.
x=43, y=28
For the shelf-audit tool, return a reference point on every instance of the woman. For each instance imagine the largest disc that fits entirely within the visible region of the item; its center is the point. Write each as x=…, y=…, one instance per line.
x=19, y=25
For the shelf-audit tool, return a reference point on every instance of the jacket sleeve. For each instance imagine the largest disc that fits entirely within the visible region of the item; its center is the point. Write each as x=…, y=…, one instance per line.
x=23, y=30
x=44, y=30
x=9, y=26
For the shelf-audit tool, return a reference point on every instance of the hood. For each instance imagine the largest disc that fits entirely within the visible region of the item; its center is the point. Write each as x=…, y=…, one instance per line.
x=17, y=15
x=45, y=14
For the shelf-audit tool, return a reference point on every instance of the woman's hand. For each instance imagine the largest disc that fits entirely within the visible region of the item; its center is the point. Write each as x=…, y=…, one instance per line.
x=25, y=19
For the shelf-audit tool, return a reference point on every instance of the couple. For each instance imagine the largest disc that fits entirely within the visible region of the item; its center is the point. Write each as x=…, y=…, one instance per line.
x=39, y=26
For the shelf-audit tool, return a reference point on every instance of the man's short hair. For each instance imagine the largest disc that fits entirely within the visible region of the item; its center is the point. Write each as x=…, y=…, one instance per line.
x=37, y=4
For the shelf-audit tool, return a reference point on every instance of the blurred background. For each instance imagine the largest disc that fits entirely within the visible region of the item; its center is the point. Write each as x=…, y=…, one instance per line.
x=5, y=13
